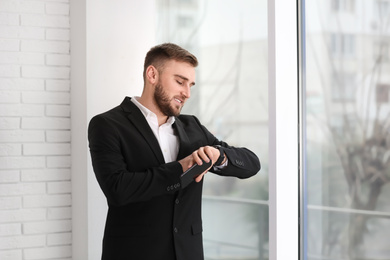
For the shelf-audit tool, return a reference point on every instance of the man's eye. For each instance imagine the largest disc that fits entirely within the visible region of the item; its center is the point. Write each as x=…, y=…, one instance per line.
x=180, y=83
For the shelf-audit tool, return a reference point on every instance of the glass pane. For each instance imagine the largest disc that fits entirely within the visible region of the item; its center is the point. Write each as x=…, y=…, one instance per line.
x=347, y=169
x=229, y=37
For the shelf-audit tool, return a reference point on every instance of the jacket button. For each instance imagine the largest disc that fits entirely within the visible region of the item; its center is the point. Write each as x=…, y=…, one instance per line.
x=241, y=163
x=177, y=201
x=175, y=230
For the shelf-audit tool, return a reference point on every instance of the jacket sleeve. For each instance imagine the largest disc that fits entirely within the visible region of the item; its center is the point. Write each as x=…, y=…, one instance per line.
x=242, y=163
x=120, y=185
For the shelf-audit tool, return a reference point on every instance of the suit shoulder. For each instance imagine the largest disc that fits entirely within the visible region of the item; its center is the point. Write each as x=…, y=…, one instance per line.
x=110, y=112
x=108, y=116
x=188, y=119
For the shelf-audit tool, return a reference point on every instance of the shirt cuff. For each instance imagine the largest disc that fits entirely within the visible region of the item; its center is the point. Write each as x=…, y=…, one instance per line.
x=219, y=167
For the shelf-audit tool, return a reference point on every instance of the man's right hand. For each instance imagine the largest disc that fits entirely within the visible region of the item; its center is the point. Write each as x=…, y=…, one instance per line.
x=206, y=153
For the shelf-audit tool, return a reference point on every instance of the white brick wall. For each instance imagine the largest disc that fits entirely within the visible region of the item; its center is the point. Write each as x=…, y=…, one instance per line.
x=35, y=184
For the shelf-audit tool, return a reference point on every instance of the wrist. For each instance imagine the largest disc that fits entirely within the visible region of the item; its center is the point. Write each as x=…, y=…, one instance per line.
x=222, y=158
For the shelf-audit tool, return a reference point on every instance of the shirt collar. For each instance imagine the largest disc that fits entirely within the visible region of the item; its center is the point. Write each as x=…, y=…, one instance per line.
x=149, y=114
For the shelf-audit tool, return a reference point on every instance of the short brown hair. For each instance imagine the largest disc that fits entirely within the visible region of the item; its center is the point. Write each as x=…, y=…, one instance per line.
x=158, y=55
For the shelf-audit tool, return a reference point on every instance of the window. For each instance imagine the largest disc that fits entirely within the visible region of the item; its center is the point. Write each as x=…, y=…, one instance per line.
x=230, y=99
x=382, y=93
x=185, y=21
x=382, y=51
x=343, y=87
x=343, y=5
x=346, y=189
x=185, y=1
x=382, y=8
x=343, y=45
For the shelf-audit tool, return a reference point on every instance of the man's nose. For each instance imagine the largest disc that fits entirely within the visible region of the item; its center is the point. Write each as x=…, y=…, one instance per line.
x=187, y=91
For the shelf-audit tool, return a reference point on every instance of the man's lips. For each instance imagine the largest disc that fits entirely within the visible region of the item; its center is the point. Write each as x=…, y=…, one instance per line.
x=180, y=101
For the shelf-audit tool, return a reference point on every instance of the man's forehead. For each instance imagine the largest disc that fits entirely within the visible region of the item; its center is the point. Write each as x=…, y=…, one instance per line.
x=181, y=69
x=174, y=64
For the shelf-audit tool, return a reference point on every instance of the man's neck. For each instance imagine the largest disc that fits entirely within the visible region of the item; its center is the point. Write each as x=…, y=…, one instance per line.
x=161, y=118
x=162, y=121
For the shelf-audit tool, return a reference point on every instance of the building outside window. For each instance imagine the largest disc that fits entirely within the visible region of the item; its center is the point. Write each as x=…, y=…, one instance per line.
x=347, y=138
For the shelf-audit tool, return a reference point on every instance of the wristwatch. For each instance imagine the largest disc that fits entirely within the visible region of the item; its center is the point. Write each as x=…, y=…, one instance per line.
x=221, y=155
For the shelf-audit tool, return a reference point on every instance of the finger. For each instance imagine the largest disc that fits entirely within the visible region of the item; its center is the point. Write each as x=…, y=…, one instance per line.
x=200, y=176
x=211, y=153
x=202, y=152
x=196, y=158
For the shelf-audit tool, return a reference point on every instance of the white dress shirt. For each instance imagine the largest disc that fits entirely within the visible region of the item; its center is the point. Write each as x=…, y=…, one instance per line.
x=169, y=142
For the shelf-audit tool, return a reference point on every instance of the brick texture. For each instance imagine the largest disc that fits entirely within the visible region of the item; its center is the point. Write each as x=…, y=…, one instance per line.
x=35, y=178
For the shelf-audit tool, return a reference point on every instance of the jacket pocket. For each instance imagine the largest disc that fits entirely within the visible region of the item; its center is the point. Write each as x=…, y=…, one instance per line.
x=197, y=228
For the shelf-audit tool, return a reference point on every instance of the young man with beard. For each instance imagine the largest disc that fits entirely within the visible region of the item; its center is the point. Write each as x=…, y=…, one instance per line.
x=140, y=150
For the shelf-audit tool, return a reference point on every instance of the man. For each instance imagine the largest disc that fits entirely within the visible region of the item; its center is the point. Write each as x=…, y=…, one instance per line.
x=139, y=151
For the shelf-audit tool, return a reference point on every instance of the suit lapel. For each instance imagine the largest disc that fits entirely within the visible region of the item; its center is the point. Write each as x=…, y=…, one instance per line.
x=138, y=120
x=185, y=144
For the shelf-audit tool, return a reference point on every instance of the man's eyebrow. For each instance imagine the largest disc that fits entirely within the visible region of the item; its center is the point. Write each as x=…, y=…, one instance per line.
x=184, y=78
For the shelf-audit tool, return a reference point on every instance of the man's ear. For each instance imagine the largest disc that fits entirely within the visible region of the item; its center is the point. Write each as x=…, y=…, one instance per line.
x=151, y=74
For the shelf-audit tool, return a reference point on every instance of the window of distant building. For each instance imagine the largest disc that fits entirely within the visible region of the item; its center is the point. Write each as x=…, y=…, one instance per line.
x=382, y=93
x=343, y=45
x=343, y=87
x=382, y=8
x=381, y=51
x=342, y=125
x=343, y=5
x=185, y=21
x=186, y=1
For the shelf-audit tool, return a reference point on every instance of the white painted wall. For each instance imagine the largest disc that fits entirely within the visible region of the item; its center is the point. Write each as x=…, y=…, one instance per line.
x=109, y=43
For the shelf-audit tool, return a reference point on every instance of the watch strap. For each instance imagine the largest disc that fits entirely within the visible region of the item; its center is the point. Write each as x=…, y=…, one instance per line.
x=221, y=157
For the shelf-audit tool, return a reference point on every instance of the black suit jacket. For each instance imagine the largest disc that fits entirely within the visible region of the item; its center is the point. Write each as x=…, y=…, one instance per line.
x=151, y=215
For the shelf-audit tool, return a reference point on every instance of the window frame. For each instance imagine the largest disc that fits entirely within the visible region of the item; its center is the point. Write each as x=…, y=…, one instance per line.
x=284, y=109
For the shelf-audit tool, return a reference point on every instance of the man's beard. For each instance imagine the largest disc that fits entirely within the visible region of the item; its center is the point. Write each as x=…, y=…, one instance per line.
x=164, y=103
